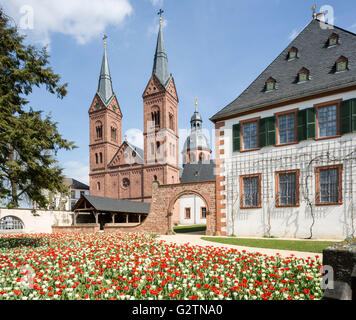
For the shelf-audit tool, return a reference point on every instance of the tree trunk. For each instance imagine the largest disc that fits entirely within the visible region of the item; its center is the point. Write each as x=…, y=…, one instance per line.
x=14, y=187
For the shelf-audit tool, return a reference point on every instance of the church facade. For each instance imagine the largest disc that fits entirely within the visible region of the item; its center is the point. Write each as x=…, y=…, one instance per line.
x=119, y=169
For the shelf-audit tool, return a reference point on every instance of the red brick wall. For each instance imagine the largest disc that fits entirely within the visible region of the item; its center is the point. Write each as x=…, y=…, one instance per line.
x=218, y=134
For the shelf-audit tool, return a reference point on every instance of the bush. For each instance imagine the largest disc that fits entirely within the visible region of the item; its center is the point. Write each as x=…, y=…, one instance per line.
x=20, y=241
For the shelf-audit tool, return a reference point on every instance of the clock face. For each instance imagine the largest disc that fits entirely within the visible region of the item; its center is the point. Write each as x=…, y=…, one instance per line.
x=97, y=106
x=114, y=108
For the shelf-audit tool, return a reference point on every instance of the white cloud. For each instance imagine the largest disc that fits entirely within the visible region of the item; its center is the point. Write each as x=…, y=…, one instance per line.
x=293, y=35
x=77, y=170
x=81, y=19
x=135, y=137
x=157, y=3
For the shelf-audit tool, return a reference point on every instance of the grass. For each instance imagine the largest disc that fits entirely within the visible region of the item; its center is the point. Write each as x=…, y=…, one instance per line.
x=297, y=245
x=187, y=229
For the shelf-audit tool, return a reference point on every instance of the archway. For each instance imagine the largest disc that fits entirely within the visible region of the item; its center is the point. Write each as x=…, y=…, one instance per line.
x=189, y=211
x=164, y=198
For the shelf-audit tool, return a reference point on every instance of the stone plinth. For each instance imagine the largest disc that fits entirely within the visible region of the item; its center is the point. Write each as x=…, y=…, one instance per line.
x=342, y=258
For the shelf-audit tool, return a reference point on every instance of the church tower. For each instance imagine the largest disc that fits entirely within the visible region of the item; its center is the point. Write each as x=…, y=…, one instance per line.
x=196, y=147
x=105, y=121
x=160, y=103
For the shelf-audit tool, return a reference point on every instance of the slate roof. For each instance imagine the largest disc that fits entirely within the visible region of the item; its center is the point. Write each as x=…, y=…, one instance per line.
x=105, y=90
x=75, y=184
x=315, y=55
x=160, y=64
x=116, y=205
x=138, y=150
x=198, y=172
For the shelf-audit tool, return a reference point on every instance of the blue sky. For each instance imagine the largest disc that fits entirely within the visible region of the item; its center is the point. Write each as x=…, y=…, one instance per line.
x=215, y=48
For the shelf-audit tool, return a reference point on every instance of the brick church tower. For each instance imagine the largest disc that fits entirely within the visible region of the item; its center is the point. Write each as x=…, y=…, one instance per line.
x=160, y=104
x=105, y=127
x=119, y=169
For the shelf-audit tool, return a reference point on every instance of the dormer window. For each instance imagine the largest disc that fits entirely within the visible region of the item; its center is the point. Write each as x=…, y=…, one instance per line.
x=341, y=64
x=270, y=84
x=303, y=75
x=333, y=40
x=293, y=53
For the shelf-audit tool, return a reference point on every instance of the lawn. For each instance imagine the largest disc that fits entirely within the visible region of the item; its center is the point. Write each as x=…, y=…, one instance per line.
x=294, y=245
x=138, y=267
x=187, y=229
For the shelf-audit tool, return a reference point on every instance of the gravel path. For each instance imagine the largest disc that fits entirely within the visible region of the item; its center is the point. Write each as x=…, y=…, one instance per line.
x=194, y=239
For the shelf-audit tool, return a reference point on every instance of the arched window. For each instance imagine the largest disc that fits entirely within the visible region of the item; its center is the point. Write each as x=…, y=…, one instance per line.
x=155, y=178
x=98, y=186
x=192, y=157
x=156, y=117
x=113, y=133
x=101, y=157
x=158, y=147
x=171, y=122
x=99, y=130
x=11, y=223
x=96, y=158
x=201, y=157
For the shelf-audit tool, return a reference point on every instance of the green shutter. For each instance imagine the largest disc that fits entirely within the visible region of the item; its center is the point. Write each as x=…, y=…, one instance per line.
x=271, y=131
x=346, y=117
x=236, y=139
x=310, y=123
x=353, y=115
x=263, y=132
x=267, y=131
x=302, y=125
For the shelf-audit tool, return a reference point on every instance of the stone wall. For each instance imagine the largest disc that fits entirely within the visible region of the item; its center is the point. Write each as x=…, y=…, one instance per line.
x=41, y=222
x=82, y=228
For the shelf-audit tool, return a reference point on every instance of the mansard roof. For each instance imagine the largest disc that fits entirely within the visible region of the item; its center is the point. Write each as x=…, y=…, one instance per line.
x=198, y=172
x=313, y=54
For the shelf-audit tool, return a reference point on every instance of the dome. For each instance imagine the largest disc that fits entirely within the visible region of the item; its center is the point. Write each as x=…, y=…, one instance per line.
x=196, y=140
x=196, y=117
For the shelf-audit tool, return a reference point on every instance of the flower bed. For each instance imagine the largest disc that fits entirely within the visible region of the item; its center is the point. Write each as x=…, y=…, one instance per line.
x=136, y=266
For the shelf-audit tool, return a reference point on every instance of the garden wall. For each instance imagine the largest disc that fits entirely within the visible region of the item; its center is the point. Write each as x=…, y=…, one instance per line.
x=41, y=222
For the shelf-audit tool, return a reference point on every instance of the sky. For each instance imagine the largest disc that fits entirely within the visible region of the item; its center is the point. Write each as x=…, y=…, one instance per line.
x=215, y=49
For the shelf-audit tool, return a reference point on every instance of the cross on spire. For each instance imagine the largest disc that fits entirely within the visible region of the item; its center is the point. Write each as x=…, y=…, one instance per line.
x=104, y=38
x=160, y=12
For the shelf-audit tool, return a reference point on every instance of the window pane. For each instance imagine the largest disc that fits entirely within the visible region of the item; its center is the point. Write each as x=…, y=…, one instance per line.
x=286, y=128
x=287, y=189
x=251, y=192
x=327, y=119
x=329, y=186
x=250, y=139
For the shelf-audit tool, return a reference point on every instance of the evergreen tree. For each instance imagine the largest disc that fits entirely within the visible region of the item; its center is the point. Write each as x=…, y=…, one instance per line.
x=29, y=142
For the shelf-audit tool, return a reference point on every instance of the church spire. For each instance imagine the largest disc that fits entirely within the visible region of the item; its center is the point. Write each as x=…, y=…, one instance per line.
x=160, y=65
x=105, y=90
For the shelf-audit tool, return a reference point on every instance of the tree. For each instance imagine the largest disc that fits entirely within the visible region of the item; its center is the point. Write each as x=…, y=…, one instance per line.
x=29, y=142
